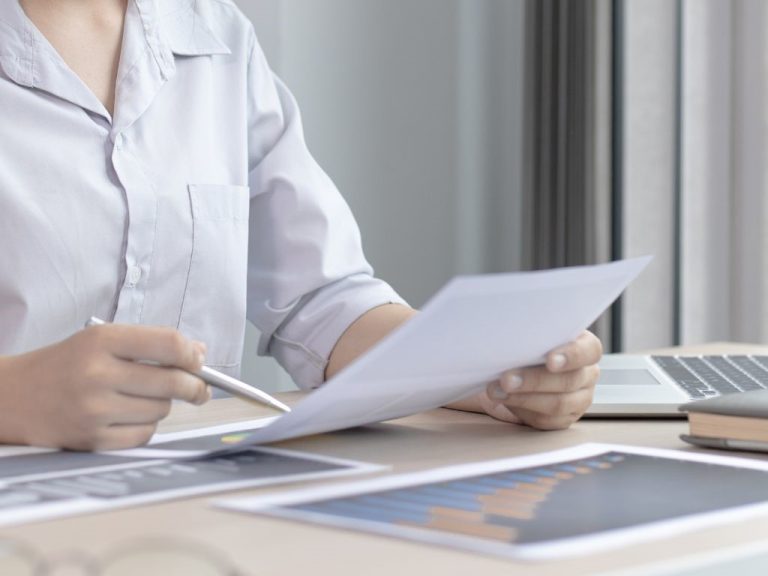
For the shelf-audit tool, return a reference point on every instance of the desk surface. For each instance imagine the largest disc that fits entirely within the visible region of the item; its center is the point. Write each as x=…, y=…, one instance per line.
x=441, y=437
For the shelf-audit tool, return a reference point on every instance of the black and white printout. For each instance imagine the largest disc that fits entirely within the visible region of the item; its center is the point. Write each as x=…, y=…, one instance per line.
x=38, y=484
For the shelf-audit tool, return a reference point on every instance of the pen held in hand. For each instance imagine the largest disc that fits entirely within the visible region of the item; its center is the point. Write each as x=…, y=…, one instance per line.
x=227, y=383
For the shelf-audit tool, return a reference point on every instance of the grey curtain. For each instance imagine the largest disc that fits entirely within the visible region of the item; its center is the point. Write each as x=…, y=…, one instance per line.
x=568, y=152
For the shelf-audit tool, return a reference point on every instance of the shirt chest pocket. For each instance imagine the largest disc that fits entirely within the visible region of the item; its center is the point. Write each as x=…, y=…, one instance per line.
x=213, y=309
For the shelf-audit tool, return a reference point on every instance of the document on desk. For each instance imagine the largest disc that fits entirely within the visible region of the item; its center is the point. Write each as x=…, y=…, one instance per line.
x=37, y=484
x=548, y=506
x=474, y=329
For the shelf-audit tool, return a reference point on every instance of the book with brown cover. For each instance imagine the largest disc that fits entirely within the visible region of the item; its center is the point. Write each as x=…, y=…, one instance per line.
x=733, y=421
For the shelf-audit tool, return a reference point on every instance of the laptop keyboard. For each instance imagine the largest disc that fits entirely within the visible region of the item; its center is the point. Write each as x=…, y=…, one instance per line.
x=708, y=376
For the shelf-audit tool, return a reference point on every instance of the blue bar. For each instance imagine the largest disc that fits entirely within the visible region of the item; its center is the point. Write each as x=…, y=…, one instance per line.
x=444, y=491
x=569, y=468
x=521, y=477
x=495, y=481
x=471, y=486
x=545, y=472
x=410, y=508
x=429, y=500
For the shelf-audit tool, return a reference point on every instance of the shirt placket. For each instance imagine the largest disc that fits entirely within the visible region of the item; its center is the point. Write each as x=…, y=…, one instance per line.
x=135, y=93
x=141, y=200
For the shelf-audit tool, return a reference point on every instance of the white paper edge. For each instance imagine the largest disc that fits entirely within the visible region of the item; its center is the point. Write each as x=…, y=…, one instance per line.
x=241, y=426
x=146, y=451
x=626, y=270
x=87, y=505
x=577, y=546
x=693, y=560
x=149, y=456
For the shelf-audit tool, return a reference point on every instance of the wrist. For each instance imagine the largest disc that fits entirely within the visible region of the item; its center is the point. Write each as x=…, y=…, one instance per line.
x=366, y=332
x=12, y=421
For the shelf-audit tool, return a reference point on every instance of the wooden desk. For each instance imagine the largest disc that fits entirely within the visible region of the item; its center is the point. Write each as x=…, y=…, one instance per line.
x=441, y=437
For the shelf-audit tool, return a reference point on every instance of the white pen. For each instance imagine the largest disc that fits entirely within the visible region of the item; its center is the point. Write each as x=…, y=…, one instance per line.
x=226, y=383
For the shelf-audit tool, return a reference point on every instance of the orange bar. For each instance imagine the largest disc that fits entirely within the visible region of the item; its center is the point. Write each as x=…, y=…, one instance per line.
x=466, y=515
x=532, y=497
x=523, y=499
x=534, y=487
x=549, y=481
x=493, y=507
x=518, y=514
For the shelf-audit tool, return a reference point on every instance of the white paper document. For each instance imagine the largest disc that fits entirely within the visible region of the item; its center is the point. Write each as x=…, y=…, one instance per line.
x=40, y=484
x=569, y=502
x=470, y=332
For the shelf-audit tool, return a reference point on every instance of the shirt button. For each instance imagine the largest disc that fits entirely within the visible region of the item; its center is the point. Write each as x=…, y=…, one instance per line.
x=119, y=142
x=134, y=275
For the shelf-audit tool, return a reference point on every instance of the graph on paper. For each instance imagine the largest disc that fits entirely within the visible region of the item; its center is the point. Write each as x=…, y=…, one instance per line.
x=38, y=485
x=569, y=499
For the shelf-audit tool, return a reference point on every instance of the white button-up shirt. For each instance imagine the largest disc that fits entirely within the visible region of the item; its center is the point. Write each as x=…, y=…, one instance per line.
x=196, y=203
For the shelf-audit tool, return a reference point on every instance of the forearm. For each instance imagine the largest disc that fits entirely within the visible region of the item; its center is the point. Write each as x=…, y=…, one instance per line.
x=10, y=418
x=364, y=333
x=367, y=330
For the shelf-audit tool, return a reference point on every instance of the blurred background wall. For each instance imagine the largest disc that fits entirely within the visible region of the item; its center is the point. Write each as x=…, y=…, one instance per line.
x=475, y=136
x=414, y=109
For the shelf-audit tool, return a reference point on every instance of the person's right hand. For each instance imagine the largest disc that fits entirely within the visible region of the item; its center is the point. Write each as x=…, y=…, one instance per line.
x=89, y=393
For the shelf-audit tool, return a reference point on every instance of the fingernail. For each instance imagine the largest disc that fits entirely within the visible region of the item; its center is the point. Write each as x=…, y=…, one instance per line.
x=558, y=361
x=200, y=350
x=201, y=399
x=511, y=382
x=496, y=392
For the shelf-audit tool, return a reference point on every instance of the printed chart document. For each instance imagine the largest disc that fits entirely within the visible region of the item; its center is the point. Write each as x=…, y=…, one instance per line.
x=40, y=484
x=564, y=503
x=474, y=329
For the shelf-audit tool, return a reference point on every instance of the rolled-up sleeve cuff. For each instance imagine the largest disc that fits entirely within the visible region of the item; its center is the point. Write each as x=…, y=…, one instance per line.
x=304, y=342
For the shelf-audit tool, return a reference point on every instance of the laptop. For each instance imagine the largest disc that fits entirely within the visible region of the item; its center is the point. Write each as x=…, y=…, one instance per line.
x=654, y=386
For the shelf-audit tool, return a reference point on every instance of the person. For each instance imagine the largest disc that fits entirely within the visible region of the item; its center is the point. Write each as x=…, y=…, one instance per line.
x=153, y=172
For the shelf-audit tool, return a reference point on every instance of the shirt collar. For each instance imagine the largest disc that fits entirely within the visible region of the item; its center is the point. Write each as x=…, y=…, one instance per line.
x=178, y=28
x=19, y=44
x=187, y=29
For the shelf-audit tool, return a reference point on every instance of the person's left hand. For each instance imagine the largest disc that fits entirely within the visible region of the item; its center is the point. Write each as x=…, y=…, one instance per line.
x=549, y=397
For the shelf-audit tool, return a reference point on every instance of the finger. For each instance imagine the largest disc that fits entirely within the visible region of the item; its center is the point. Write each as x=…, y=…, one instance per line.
x=543, y=381
x=545, y=421
x=585, y=350
x=119, y=437
x=552, y=404
x=161, y=383
x=116, y=437
x=164, y=346
x=496, y=410
x=135, y=410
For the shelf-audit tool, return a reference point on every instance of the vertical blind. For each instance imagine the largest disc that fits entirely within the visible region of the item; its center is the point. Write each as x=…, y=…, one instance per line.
x=567, y=136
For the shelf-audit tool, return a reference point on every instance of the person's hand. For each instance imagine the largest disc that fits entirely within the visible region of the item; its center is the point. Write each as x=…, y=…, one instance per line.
x=550, y=397
x=88, y=393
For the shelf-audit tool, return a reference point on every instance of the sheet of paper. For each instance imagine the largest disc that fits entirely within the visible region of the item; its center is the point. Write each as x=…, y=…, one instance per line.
x=26, y=461
x=564, y=503
x=42, y=484
x=474, y=329
x=741, y=560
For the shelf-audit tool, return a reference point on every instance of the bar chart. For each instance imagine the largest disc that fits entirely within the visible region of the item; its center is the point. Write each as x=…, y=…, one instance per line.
x=568, y=499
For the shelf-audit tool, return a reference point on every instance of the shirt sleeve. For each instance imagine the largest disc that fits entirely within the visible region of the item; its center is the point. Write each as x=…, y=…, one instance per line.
x=308, y=279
